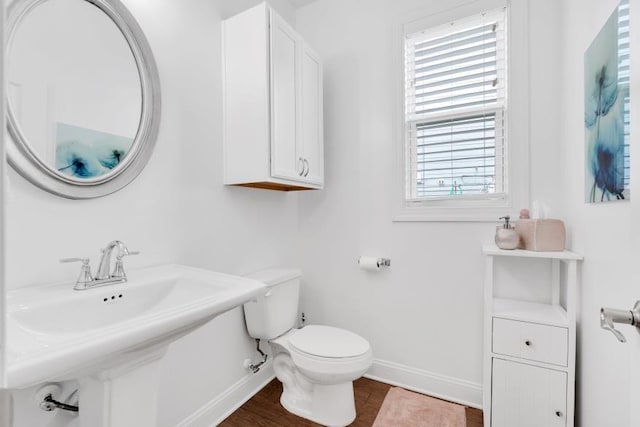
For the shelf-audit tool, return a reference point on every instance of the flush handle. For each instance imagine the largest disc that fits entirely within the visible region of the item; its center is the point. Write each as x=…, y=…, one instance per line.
x=610, y=316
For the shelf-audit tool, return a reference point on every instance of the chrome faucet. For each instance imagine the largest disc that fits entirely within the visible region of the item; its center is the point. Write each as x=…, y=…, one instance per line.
x=102, y=277
x=105, y=261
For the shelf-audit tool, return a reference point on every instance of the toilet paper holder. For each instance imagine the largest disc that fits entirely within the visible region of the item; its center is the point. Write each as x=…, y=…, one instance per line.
x=382, y=262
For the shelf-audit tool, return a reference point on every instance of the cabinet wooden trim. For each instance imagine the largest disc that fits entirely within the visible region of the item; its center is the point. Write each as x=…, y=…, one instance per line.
x=275, y=186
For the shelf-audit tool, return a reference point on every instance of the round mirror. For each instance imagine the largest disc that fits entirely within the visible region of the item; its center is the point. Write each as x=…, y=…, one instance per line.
x=83, y=90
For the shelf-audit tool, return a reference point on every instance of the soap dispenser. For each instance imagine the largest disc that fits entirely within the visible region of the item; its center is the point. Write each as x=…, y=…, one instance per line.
x=506, y=235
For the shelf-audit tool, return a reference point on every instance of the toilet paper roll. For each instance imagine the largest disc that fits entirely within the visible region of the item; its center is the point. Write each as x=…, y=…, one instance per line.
x=369, y=263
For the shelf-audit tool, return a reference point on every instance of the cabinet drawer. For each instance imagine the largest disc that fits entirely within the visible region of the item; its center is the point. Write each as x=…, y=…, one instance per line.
x=531, y=341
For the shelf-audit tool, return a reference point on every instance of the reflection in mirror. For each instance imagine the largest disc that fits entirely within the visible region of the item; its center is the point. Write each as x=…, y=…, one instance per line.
x=74, y=88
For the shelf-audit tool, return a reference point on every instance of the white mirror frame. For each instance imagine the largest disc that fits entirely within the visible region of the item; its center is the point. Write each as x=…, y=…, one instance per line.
x=5, y=402
x=22, y=158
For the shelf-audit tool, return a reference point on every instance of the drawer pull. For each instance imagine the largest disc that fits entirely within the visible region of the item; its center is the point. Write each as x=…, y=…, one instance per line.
x=306, y=162
x=558, y=414
x=527, y=343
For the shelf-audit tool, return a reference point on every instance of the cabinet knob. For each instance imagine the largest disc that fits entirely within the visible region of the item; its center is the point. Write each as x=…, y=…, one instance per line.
x=306, y=162
x=558, y=413
x=301, y=163
x=527, y=343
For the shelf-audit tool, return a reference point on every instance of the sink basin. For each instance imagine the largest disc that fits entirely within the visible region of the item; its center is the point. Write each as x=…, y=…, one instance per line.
x=55, y=333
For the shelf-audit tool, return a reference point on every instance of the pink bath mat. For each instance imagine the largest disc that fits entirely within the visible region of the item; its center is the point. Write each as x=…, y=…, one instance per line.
x=402, y=408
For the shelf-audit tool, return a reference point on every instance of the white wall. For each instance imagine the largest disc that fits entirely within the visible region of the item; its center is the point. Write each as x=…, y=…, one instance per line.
x=602, y=232
x=176, y=211
x=425, y=312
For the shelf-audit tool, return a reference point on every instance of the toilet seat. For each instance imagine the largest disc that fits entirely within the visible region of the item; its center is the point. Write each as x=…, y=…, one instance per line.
x=327, y=355
x=326, y=342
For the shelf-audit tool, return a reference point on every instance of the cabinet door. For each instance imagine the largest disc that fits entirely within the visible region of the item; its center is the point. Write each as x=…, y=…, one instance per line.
x=527, y=396
x=286, y=161
x=311, y=141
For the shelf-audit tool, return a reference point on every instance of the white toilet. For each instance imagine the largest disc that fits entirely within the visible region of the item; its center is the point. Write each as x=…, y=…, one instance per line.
x=316, y=364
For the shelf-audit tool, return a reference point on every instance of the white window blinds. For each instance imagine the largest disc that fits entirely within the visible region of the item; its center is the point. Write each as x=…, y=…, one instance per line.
x=455, y=109
x=623, y=79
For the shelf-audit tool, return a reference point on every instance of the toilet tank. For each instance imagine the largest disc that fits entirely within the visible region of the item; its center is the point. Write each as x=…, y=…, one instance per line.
x=276, y=311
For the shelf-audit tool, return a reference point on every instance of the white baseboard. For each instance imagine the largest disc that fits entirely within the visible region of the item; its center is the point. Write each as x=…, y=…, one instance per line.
x=441, y=386
x=227, y=402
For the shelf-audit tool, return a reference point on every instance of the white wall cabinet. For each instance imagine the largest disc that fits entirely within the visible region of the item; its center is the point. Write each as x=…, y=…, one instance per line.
x=272, y=81
x=530, y=345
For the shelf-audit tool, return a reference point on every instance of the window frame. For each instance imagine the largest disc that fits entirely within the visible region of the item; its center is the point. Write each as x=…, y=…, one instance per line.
x=477, y=208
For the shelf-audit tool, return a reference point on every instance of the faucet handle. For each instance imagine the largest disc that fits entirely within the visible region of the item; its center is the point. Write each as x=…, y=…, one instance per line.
x=84, y=261
x=118, y=269
x=125, y=253
x=128, y=252
x=85, y=276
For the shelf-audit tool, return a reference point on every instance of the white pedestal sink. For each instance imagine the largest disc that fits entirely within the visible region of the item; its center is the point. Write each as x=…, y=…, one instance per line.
x=111, y=339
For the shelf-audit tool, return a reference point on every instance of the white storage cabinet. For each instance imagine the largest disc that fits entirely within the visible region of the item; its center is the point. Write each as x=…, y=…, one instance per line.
x=530, y=347
x=272, y=83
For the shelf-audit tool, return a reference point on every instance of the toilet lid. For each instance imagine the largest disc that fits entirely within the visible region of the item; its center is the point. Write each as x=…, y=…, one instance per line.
x=326, y=341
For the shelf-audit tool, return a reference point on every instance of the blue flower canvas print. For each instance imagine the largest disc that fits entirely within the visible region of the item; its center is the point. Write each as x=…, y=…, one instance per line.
x=606, y=110
x=87, y=153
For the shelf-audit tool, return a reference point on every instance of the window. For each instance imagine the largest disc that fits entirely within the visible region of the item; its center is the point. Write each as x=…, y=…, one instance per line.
x=455, y=110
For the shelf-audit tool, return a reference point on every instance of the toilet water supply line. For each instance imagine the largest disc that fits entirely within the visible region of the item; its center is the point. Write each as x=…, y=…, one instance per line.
x=49, y=404
x=255, y=368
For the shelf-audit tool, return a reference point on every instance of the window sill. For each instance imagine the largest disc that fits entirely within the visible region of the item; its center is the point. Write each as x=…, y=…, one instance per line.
x=420, y=212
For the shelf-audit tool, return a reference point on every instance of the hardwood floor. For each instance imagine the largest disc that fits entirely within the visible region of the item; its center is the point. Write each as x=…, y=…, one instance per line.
x=264, y=409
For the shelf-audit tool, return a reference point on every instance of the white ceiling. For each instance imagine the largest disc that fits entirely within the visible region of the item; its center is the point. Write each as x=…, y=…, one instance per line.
x=231, y=7
x=299, y=3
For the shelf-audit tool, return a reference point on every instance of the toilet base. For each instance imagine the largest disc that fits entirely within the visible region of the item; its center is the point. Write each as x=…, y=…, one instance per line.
x=326, y=404
x=329, y=405
x=317, y=388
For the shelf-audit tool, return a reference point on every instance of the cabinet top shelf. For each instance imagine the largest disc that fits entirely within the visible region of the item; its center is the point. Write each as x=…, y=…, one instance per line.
x=493, y=250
